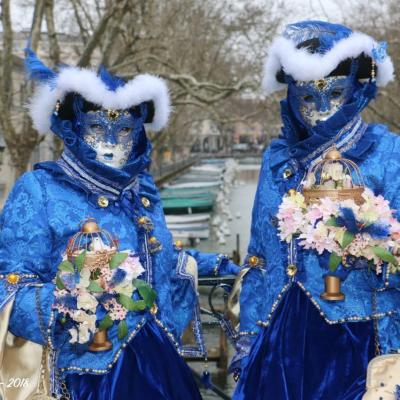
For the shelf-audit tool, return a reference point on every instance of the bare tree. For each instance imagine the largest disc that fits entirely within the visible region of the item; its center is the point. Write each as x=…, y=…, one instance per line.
x=382, y=21
x=210, y=52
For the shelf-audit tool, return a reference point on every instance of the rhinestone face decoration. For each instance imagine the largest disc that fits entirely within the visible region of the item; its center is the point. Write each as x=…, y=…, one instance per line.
x=319, y=100
x=111, y=134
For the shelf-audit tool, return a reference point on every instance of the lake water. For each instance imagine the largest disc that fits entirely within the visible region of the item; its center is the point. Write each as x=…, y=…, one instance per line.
x=240, y=204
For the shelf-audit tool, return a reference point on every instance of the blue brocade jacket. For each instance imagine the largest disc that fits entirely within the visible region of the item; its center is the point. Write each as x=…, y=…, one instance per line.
x=45, y=209
x=377, y=153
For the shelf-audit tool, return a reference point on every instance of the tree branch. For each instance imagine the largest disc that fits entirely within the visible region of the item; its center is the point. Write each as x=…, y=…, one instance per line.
x=93, y=42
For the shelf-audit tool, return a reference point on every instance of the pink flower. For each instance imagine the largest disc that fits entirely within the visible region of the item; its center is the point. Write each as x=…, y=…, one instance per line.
x=313, y=214
x=132, y=267
x=319, y=238
x=116, y=311
x=328, y=208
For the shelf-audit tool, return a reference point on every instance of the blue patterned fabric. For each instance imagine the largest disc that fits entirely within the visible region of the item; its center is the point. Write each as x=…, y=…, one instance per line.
x=331, y=362
x=169, y=378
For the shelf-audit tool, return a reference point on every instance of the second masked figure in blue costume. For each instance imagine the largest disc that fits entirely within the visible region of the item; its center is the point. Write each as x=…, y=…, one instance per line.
x=102, y=174
x=292, y=344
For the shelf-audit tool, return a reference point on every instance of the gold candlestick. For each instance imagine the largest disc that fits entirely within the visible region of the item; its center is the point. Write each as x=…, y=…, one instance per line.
x=332, y=289
x=100, y=342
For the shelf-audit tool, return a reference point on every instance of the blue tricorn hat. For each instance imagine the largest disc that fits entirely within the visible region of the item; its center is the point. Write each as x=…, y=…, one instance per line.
x=97, y=87
x=312, y=50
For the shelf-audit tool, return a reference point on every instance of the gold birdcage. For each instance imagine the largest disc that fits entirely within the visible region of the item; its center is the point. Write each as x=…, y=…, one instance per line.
x=335, y=177
x=97, y=243
x=99, y=247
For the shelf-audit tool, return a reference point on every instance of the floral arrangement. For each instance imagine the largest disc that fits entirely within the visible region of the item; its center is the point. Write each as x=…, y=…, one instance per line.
x=346, y=230
x=109, y=289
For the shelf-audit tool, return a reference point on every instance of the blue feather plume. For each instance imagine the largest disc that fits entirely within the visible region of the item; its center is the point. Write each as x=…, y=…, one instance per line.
x=104, y=297
x=327, y=33
x=35, y=68
x=377, y=231
x=118, y=277
x=67, y=301
x=112, y=82
x=348, y=220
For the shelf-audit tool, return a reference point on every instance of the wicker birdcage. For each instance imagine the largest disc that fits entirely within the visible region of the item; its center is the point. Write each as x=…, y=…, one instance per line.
x=97, y=243
x=335, y=177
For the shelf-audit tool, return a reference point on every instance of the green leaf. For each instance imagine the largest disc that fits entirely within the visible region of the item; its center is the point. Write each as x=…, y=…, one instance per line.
x=80, y=260
x=131, y=304
x=334, y=261
x=117, y=259
x=139, y=283
x=126, y=301
x=148, y=294
x=346, y=239
x=140, y=305
x=385, y=255
x=106, y=323
x=59, y=283
x=331, y=222
x=122, y=329
x=66, y=266
x=94, y=287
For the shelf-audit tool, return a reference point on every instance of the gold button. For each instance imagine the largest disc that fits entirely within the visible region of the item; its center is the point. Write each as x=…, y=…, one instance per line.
x=146, y=202
x=153, y=240
x=102, y=201
x=292, y=192
x=13, y=279
x=287, y=173
x=291, y=270
x=142, y=220
x=179, y=244
x=154, y=309
x=253, y=261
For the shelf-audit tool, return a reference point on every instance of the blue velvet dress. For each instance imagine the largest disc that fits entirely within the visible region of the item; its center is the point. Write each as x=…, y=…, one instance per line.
x=292, y=344
x=44, y=210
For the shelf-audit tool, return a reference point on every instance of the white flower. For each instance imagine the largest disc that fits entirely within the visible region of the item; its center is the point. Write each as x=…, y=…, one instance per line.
x=84, y=334
x=329, y=184
x=86, y=301
x=74, y=335
x=80, y=335
x=125, y=288
x=310, y=180
x=347, y=182
x=335, y=171
x=97, y=244
x=85, y=319
x=84, y=279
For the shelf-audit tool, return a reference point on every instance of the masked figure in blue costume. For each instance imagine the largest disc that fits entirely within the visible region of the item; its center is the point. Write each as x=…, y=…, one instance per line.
x=292, y=344
x=103, y=174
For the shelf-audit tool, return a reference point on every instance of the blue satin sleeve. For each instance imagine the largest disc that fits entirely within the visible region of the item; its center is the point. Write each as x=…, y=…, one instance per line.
x=260, y=215
x=211, y=264
x=25, y=250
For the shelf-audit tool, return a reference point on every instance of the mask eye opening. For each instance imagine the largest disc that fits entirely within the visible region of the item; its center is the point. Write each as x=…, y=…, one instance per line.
x=308, y=98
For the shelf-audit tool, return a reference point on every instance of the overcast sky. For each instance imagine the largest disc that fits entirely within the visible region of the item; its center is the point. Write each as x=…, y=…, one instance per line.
x=297, y=10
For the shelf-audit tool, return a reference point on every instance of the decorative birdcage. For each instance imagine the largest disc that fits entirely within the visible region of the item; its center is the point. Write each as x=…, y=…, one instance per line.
x=97, y=243
x=335, y=177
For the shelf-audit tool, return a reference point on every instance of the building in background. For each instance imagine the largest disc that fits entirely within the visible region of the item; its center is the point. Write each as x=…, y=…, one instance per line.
x=206, y=137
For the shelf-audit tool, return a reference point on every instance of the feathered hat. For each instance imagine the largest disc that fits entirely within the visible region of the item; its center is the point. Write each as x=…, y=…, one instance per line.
x=99, y=88
x=312, y=50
